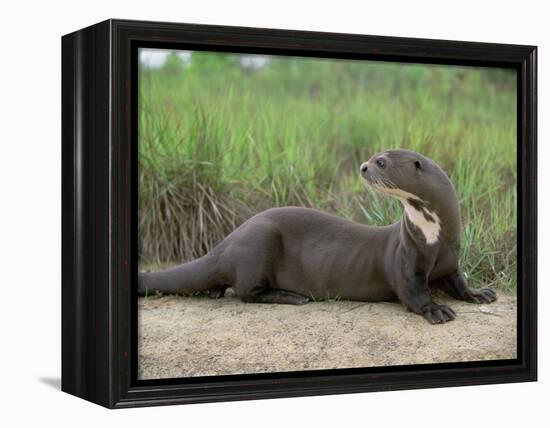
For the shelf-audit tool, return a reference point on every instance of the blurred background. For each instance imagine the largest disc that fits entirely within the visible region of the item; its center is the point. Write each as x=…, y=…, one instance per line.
x=224, y=136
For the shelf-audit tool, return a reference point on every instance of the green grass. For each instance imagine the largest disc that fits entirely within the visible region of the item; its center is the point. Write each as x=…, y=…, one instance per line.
x=218, y=143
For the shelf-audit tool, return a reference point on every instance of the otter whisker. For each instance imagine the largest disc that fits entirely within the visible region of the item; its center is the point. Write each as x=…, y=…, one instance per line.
x=381, y=182
x=390, y=184
x=384, y=181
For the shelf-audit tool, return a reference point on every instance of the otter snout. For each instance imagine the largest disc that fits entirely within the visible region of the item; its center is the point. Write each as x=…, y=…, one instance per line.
x=377, y=161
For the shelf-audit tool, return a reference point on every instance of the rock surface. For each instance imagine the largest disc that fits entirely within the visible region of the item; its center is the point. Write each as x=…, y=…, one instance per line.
x=198, y=336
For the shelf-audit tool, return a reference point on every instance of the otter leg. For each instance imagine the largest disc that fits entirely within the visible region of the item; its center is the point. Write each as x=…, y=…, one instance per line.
x=275, y=295
x=248, y=290
x=415, y=295
x=253, y=282
x=456, y=285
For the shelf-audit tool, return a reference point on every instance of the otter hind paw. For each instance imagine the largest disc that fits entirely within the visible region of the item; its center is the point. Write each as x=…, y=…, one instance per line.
x=482, y=295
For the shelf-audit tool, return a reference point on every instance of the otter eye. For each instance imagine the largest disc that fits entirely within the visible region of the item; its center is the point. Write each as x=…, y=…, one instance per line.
x=381, y=163
x=417, y=164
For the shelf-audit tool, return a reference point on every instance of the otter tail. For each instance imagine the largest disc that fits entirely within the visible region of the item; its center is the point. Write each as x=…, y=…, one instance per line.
x=197, y=275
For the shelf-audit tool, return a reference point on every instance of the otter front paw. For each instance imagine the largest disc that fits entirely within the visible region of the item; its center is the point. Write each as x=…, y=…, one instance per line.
x=438, y=314
x=480, y=295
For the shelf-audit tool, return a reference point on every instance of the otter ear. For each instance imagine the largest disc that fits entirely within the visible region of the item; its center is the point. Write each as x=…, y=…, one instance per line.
x=417, y=164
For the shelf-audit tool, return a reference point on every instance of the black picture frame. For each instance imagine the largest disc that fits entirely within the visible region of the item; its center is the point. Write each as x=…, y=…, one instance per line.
x=99, y=211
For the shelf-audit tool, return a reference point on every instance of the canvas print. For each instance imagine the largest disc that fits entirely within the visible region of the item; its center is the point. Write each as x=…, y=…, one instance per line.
x=302, y=213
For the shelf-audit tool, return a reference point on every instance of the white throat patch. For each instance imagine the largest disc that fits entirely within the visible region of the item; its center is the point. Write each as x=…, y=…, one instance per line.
x=430, y=229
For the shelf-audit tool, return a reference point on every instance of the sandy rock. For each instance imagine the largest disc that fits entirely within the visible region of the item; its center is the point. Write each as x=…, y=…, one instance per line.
x=198, y=336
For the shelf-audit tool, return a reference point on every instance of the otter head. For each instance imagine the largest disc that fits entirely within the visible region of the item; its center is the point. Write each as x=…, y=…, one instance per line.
x=423, y=188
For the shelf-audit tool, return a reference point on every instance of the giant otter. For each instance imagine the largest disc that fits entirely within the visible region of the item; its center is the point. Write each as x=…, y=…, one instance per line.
x=290, y=254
